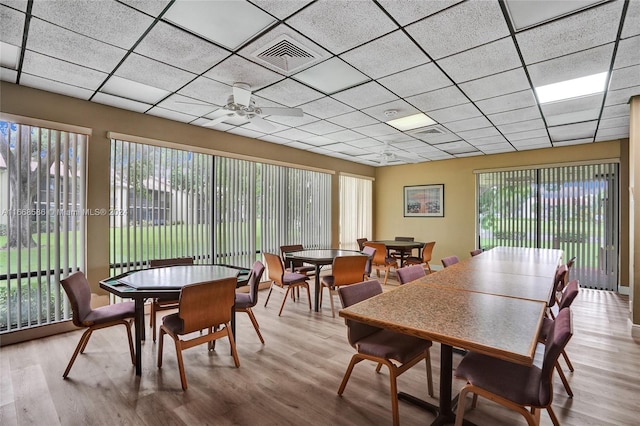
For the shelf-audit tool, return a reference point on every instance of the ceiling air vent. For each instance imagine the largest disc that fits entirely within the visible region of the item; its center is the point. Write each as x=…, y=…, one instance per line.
x=429, y=131
x=286, y=54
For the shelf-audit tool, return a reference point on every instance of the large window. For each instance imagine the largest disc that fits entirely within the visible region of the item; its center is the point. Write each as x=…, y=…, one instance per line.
x=42, y=221
x=573, y=208
x=355, y=210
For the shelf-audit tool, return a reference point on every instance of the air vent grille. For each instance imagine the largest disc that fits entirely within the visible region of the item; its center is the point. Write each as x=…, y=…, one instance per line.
x=432, y=131
x=286, y=54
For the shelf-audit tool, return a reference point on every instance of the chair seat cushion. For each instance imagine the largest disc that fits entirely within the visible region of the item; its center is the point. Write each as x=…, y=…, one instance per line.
x=413, y=260
x=293, y=278
x=306, y=269
x=328, y=280
x=115, y=312
x=174, y=323
x=243, y=300
x=515, y=382
x=547, y=325
x=391, y=345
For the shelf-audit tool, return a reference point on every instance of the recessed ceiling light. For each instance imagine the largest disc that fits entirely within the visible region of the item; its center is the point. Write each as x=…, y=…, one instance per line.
x=9, y=55
x=572, y=88
x=411, y=122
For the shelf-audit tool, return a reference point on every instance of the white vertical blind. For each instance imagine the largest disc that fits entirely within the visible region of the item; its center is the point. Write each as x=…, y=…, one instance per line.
x=355, y=210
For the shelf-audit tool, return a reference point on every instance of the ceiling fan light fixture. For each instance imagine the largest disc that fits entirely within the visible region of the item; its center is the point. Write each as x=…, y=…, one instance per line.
x=411, y=122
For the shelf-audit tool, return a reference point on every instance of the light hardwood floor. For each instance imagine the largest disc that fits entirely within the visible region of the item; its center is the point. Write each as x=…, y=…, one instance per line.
x=292, y=379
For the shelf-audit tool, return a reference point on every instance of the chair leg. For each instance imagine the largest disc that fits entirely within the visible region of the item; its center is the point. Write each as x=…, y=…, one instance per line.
x=354, y=360
x=563, y=378
x=378, y=367
x=86, y=340
x=133, y=356
x=79, y=348
x=152, y=320
x=232, y=343
x=162, y=333
x=333, y=312
x=183, y=376
x=394, y=395
x=268, y=295
x=284, y=300
x=386, y=275
x=566, y=359
x=554, y=419
x=306, y=285
x=254, y=321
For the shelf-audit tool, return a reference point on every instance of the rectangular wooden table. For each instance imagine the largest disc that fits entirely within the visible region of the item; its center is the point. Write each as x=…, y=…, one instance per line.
x=469, y=307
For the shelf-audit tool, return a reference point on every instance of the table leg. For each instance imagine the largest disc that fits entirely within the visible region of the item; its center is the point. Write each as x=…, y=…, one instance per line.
x=233, y=326
x=139, y=323
x=317, y=289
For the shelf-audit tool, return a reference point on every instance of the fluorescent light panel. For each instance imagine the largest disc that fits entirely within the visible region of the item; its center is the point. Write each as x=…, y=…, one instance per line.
x=411, y=122
x=570, y=89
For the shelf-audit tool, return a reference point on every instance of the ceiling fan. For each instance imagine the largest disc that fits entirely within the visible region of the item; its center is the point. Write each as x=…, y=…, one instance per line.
x=241, y=104
x=388, y=156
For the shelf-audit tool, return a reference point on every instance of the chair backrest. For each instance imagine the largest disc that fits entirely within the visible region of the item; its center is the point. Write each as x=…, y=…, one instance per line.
x=355, y=293
x=176, y=261
x=275, y=267
x=571, y=262
x=569, y=294
x=371, y=252
x=287, y=249
x=427, y=251
x=361, y=242
x=557, y=339
x=348, y=269
x=559, y=281
x=254, y=281
x=79, y=293
x=410, y=273
x=450, y=260
x=380, y=256
x=404, y=239
x=206, y=304
x=475, y=252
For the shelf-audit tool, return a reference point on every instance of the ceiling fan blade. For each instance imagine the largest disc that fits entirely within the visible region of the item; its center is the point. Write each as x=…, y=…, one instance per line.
x=217, y=120
x=242, y=94
x=263, y=124
x=290, y=112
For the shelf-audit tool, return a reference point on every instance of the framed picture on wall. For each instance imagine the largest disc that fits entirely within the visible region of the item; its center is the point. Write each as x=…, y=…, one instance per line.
x=424, y=201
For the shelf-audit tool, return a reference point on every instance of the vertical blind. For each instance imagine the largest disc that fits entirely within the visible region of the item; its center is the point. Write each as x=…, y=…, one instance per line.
x=573, y=208
x=42, y=221
x=355, y=210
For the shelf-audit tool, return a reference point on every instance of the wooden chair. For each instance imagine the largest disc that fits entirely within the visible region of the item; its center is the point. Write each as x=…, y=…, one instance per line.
x=202, y=306
x=246, y=301
x=345, y=270
x=399, y=352
x=427, y=252
x=158, y=304
x=381, y=260
x=370, y=252
x=562, y=272
x=475, y=252
x=78, y=291
x=298, y=266
x=516, y=386
x=450, y=260
x=361, y=242
x=284, y=280
x=410, y=273
x=400, y=253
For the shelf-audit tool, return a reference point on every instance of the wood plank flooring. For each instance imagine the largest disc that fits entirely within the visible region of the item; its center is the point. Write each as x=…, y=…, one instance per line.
x=292, y=379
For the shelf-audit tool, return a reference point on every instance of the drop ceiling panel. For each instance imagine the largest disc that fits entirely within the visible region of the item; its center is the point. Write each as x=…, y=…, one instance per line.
x=12, y=26
x=490, y=140
x=614, y=132
x=470, y=124
x=118, y=102
x=522, y=126
x=274, y=127
x=365, y=95
x=321, y=127
x=57, y=70
x=622, y=96
x=244, y=131
x=16, y=4
x=380, y=129
x=508, y=102
x=331, y=76
x=55, y=87
x=294, y=134
x=8, y=75
x=290, y=93
x=187, y=105
x=319, y=141
x=386, y=55
x=406, y=12
x=531, y=134
x=478, y=133
x=438, y=99
x=615, y=111
x=573, y=131
x=497, y=148
x=591, y=28
x=293, y=121
x=281, y=9
x=621, y=122
x=476, y=23
x=344, y=25
x=401, y=107
x=473, y=63
x=207, y=90
x=325, y=107
x=121, y=87
x=455, y=113
x=353, y=119
x=572, y=105
x=502, y=83
x=517, y=115
x=156, y=74
x=628, y=52
x=368, y=143
x=524, y=14
x=236, y=69
x=533, y=143
x=632, y=20
x=423, y=78
x=151, y=7
x=572, y=117
x=345, y=136
x=625, y=77
x=171, y=115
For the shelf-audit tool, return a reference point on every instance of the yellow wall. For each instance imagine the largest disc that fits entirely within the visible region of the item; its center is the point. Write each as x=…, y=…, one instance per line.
x=634, y=208
x=455, y=233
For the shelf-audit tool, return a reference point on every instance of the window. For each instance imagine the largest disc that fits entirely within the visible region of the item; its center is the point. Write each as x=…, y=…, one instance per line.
x=42, y=221
x=355, y=210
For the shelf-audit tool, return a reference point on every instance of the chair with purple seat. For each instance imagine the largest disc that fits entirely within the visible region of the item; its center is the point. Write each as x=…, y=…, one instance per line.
x=450, y=260
x=427, y=252
x=284, y=280
x=516, y=386
x=559, y=281
x=361, y=242
x=246, y=301
x=381, y=260
x=345, y=270
x=568, y=296
x=475, y=252
x=371, y=252
x=382, y=346
x=78, y=291
x=410, y=273
x=298, y=266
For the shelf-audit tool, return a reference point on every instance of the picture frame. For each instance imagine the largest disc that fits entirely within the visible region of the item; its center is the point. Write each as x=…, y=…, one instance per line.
x=424, y=200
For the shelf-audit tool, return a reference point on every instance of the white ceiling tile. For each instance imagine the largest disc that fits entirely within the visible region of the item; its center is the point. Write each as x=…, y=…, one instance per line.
x=495, y=85
x=469, y=154
x=275, y=139
x=244, y=131
x=524, y=14
x=236, y=69
x=365, y=95
x=497, y=148
x=625, y=77
x=331, y=76
x=59, y=43
x=490, y=140
x=423, y=78
x=179, y=48
x=9, y=56
x=568, y=67
x=292, y=121
x=508, y=102
x=631, y=25
x=273, y=127
x=459, y=28
x=572, y=117
x=157, y=74
x=622, y=96
x=407, y=11
x=533, y=143
x=171, y=115
x=118, y=102
x=380, y=129
x=394, y=138
x=479, y=133
x=54, y=86
x=460, y=146
x=434, y=138
x=337, y=147
x=299, y=145
x=573, y=131
x=57, y=70
x=207, y=90
x=615, y=111
x=16, y=4
x=290, y=93
x=151, y=7
x=524, y=114
x=473, y=63
x=223, y=127
x=521, y=126
x=401, y=107
x=470, y=124
x=353, y=119
x=386, y=55
x=321, y=127
x=613, y=133
x=319, y=141
x=573, y=142
x=106, y=21
x=628, y=52
x=294, y=134
x=531, y=134
x=8, y=75
x=229, y=23
x=614, y=122
x=585, y=30
x=325, y=107
x=455, y=113
x=12, y=26
x=281, y=9
x=345, y=136
x=410, y=145
x=344, y=24
x=438, y=99
x=572, y=105
x=187, y=105
x=367, y=143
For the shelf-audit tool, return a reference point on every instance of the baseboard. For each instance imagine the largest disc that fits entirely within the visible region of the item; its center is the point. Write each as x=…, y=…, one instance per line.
x=623, y=290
